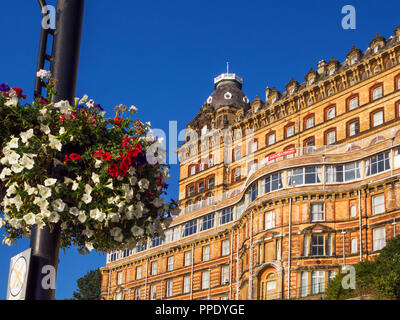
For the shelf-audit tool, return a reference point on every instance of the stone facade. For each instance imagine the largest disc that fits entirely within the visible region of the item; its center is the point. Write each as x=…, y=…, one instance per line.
x=257, y=223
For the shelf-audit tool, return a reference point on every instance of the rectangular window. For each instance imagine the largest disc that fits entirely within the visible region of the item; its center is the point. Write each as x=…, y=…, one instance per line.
x=310, y=122
x=225, y=247
x=271, y=139
x=188, y=258
x=207, y=222
x=170, y=266
x=201, y=187
x=317, y=211
x=186, y=284
x=377, y=93
x=253, y=192
x=331, y=113
x=226, y=216
x=317, y=282
x=331, y=137
x=329, y=245
x=254, y=147
x=153, y=292
x=343, y=173
x=240, y=209
x=354, y=128
x=119, y=278
x=305, y=246
x=137, y=294
x=205, y=279
x=141, y=247
x=238, y=154
x=378, y=203
x=354, y=245
x=154, y=268
x=139, y=273
x=379, y=240
x=206, y=253
x=272, y=182
x=377, y=119
x=169, y=289
x=269, y=219
x=378, y=163
x=307, y=175
x=353, y=211
x=189, y=228
x=289, y=131
x=237, y=174
x=191, y=191
x=210, y=183
x=172, y=234
x=224, y=275
x=156, y=241
x=353, y=104
x=317, y=245
x=304, y=284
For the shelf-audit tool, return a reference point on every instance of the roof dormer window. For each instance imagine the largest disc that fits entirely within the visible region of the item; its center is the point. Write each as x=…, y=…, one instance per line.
x=332, y=71
x=353, y=60
x=311, y=81
x=273, y=100
x=292, y=90
x=376, y=48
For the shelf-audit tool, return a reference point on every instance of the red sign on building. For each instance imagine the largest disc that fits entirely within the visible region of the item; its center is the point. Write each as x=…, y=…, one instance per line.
x=281, y=154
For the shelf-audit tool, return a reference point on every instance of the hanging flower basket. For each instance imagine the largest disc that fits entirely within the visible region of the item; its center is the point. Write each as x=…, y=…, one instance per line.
x=100, y=179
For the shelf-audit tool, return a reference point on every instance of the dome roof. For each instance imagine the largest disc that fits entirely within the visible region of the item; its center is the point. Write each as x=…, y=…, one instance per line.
x=228, y=92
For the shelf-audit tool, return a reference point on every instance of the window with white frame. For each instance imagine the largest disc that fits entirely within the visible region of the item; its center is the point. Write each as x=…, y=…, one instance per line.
x=207, y=222
x=172, y=235
x=226, y=216
x=272, y=182
x=377, y=119
x=305, y=175
x=237, y=175
x=201, y=187
x=211, y=182
x=290, y=131
x=224, y=274
x=269, y=219
x=140, y=247
x=310, y=122
x=188, y=258
x=317, y=282
x=353, y=104
x=353, y=211
x=304, y=284
x=119, y=275
x=317, y=245
x=377, y=93
x=378, y=204
x=191, y=191
x=137, y=294
x=154, y=268
x=271, y=139
x=169, y=288
x=317, y=211
x=377, y=164
x=156, y=241
x=225, y=247
x=253, y=146
x=331, y=275
x=170, y=264
x=331, y=113
x=237, y=154
x=193, y=170
x=305, y=246
x=186, y=284
x=353, y=60
x=253, y=192
x=153, y=292
x=379, y=238
x=139, y=273
x=205, y=279
x=240, y=209
x=354, y=128
x=343, y=173
x=354, y=245
x=331, y=137
x=206, y=253
x=396, y=156
x=189, y=228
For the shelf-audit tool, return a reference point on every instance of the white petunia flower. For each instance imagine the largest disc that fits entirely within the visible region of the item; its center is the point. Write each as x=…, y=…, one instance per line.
x=82, y=217
x=86, y=198
x=44, y=191
x=13, y=158
x=45, y=129
x=88, y=189
x=58, y=205
x=75, y=186
x=67, y=181
x=30, y=218
x=17, y=168
x=95, y=178
x=88, y=233
x=143, y=184
x=25, y=136
x=26, y=162
x=137, y=231
x=43, y=74
x=41, y=202
x=62, y=131
x=89, y=246
x=13, y=144
x=54, y=143
x=63, y=106
x=98, y=164
x=54, y=217
x=74, y=211
x=5, y=173
x=50, y=182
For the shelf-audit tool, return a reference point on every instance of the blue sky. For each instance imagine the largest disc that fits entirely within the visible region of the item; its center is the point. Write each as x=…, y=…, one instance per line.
x=162, y=56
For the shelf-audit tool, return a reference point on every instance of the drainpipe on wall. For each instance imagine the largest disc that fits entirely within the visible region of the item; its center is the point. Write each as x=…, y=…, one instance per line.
x=237, y=264
x=231, y=267
x=109, y=284
x=191, y=274
x=290, y=244
x=251, y=259
x=344, y=251
x=360, y=223
x=147, y=274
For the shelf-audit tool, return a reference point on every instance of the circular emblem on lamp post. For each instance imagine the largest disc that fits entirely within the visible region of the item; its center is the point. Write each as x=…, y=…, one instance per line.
x=18, y=275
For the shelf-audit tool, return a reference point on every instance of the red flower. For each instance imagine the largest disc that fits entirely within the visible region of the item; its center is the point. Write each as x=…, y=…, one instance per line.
x=125, y=164
x=73, y=116
x=122, y=173
x=66, y=159
x=75, y=156
x=149, y=194
x=18, y=91
x=62, y=118
x=44, y=101
x=118, y=121
x=113, y=170
x=98, y=154
x=125, y=143
x=133, y=153
x=106, y=156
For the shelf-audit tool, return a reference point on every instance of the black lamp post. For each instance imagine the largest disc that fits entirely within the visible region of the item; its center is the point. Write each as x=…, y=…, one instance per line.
x=45, y=242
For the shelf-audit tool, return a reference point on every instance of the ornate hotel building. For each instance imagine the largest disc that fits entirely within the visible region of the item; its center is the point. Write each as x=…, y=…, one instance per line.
x=278, y=195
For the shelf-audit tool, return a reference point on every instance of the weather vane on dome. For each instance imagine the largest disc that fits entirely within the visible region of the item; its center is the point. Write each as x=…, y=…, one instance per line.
x=227, y=67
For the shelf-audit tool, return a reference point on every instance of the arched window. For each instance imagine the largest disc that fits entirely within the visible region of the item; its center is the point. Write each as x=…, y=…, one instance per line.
x=352, y=102
x=397, y=82
x=269, y=286
x=270, y=138
x=376, y=92
x=289, y=130
x=353, y=127
x=330, y=112
x=308, y=121
x=330, y=136
x=377, y=117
